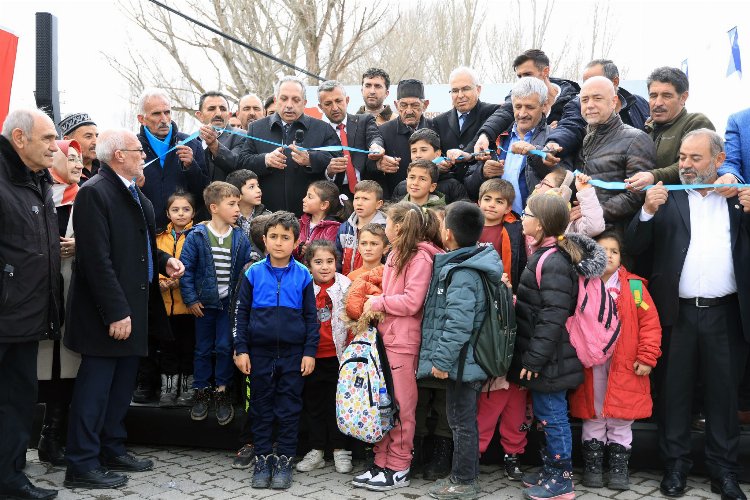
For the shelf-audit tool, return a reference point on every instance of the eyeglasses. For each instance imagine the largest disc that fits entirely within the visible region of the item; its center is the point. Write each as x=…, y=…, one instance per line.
x=464, y=90
x=545, y=183
x=526, y=214
x=140, y=150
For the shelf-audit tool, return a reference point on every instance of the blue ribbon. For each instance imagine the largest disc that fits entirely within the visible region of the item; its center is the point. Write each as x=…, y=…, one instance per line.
x=187, y=139
x=286, y=146
x=621, y=186
x=441, y=159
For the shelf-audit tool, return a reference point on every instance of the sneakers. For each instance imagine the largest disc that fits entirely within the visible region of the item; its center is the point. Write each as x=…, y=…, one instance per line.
x=557, y=482
x=264, y=465
x=186, y=393
x=245, y=457
x=388, y=479
x=450, y=489
x=313, y=460
x=360, y=480
x=224, y=408
x=342, y=460
x=593, y=462
x=169, y=386
x=199, y=411
x=282, y=473
x=511, y=464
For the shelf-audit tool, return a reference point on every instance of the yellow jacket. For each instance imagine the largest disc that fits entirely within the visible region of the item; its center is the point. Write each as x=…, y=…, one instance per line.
x=166, y=242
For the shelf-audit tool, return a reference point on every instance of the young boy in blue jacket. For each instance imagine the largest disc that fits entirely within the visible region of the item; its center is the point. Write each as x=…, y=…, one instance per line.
x=276, y=335
x=214, y=255
x=452, y=312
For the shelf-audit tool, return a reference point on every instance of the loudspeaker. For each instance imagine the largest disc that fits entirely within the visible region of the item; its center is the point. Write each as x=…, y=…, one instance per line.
x=46, y=94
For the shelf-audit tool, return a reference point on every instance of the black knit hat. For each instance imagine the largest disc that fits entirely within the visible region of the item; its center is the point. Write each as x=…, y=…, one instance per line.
x=410, y=88
x=73, y=121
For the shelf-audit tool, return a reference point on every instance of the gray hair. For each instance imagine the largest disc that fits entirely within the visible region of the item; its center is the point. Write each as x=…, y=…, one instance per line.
x=528, y=86
x=467, y=71
x=148, y=94
x=329, y=85
x=110, y=141
x=609, y=68
x=715, y=141
x=22, y=119
x=290, y=78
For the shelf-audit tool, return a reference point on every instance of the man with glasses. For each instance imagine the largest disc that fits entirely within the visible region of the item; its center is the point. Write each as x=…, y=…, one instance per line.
x=411, y=105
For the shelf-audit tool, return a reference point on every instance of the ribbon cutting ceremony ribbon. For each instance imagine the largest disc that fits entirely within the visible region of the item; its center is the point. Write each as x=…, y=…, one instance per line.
x=441, y=159
x=286, y=146
x=187, y=139
x=621, y=186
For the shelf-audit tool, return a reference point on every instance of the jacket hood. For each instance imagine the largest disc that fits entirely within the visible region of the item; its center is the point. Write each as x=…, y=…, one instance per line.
x=594, y=260
x=483, y=258
x=429, y=247
x=185, y=231
x=378, y=218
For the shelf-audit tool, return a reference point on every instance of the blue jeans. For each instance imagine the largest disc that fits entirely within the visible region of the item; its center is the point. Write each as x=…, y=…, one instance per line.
x=461, y=405
x=551, y=409
x=212, y=335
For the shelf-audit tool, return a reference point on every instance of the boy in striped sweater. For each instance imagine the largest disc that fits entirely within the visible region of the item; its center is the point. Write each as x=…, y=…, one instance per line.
x=214, y=254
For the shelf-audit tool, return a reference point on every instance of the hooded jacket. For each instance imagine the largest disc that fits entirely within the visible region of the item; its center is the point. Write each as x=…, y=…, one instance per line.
x=402, y=299
x=453, y=311
x=347, y=241
x=338, y=327
x=166, y=242
x=447, y=184
x=435, y=200
x=628, y=396
x=323, y=230
x=542, y=340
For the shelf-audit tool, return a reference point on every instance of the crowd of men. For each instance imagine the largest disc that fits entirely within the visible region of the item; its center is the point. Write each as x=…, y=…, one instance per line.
x=596, y=127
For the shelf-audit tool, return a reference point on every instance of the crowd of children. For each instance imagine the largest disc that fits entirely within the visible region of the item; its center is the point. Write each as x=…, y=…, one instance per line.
x=268, y=293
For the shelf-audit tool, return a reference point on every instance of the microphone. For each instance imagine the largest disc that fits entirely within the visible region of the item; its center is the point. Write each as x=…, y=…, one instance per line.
x=299, y=136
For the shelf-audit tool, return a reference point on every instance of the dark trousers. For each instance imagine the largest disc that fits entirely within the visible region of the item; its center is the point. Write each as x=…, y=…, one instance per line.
x=275, y=396
x=96, y=425
x=212, y=335
x=176, y=356
x=706, y=341
x=431, y=400
x=461, y=403
x=744, y=402
x=320, y=405
x=18, y=391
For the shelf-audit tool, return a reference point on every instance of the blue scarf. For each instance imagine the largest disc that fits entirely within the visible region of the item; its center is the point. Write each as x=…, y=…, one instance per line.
x=159, y=146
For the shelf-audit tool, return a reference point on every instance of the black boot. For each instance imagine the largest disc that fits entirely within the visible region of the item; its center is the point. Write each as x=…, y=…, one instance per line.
x=169, y=386
x=512, y=466
x=442, y=457
x=50, y=447
x=417, y=461
x=618, y=457
x=593, y=464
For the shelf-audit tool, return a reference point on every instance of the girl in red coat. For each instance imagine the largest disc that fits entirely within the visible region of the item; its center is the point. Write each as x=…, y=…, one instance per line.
x=617, y=392
x=324, y=211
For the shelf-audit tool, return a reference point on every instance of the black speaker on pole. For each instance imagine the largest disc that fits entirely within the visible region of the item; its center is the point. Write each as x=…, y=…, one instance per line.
x=46, y=94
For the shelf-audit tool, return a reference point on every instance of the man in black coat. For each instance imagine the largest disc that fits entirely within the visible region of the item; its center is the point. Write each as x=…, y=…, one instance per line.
x=701, y=288
x=29, y=284
x=411, y=105
x=285, y=173
x=114, y=288
x=357, y=131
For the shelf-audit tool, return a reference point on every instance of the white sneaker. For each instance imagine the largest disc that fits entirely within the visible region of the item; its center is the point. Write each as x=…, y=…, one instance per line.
x=313, y=460
x=342, y=460
x=388, y=479
x=361, y=480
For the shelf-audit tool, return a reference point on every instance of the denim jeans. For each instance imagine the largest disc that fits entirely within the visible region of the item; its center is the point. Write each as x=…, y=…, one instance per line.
x=551, y=409
x=212, y=335
x=461, y=402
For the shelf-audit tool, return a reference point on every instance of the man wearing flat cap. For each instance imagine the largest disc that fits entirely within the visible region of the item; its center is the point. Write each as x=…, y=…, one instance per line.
x=411, y=105
x=81, y=128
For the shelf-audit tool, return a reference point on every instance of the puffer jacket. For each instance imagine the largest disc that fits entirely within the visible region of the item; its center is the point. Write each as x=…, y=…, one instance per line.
x=402, y=299
x=628, y=396
x=614, y=151
x=338, y=327
x=347, y=240
x=435, y=200
x=452, y=188
x=323, y=230
x=172, y=298
x=370, y=283
x=453, y=311
x=542, y=340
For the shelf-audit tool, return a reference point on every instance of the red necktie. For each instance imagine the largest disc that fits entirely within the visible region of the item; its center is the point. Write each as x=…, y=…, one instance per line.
x=351, y=175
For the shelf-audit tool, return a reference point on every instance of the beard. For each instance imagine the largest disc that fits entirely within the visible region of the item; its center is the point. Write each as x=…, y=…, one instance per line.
x=706, y=177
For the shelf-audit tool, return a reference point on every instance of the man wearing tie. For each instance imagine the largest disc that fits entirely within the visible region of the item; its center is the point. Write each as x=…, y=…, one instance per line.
x=114, y=288
x=357, y=131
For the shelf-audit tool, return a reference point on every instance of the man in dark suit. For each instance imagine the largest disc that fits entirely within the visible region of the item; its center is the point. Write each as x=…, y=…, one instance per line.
x=114, y=287
x=701, y=288
x=411, y=105
x=458, y=126
x=219, y=148
x=357, y=131
x=285, y=173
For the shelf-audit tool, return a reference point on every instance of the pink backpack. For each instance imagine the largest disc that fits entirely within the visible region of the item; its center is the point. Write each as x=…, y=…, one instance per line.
x=594, y=326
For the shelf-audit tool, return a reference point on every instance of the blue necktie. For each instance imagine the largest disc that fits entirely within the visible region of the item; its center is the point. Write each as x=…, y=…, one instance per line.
x=461, y=121
x=134, y=194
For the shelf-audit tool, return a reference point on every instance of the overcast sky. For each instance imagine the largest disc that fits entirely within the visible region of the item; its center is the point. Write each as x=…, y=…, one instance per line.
x=649, y=34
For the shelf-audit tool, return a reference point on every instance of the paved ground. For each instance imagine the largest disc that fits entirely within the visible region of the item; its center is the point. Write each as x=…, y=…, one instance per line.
x=186, y=473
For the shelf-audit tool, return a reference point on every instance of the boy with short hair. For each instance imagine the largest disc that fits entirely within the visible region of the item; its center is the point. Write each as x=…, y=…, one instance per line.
x=368, y=200
x=250, y=199
x=421, y=182
x=276, y=334
x=213, y=254
x=454, y=309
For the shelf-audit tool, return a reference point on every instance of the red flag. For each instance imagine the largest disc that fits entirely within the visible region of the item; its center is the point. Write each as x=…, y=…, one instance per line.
x=8, y=46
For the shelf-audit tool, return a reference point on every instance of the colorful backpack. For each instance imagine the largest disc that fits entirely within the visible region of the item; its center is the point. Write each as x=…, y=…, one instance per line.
x=363, y=371
x=594, y=327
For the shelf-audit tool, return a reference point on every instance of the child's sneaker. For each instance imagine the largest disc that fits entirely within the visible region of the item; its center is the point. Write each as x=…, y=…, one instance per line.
x=245, y=457
x=263, y=467
x=511, y=463
x=202, y=400
x=556, y=484
x=282, y=473
x=360, y=480
x=313, y=460
x=342, y=460
x=224, y=408
x=449, y=489
x=388, y=479
x=186, y=393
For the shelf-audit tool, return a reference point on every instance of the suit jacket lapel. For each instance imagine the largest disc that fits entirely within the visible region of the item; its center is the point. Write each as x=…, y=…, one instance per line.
x=735, y=215
x=683, y=207
x=352, y=122
x=453, y=122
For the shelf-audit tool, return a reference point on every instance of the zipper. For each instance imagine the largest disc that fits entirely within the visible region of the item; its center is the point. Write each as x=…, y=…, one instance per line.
x=278, y=304
x=171, y=291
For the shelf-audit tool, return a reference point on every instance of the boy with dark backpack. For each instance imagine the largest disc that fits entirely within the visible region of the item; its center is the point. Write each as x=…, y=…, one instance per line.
x=456, y=308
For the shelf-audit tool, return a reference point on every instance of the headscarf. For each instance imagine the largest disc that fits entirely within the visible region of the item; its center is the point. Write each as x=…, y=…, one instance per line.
x=63, y=193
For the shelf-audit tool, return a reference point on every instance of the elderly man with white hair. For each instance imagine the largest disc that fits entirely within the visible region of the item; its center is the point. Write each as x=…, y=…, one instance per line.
x=29, y=284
